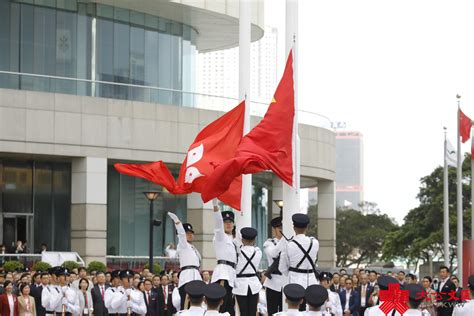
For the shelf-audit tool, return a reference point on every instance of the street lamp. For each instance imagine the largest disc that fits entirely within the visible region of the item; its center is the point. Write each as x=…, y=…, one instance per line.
x=279, y=203
x=151, y=196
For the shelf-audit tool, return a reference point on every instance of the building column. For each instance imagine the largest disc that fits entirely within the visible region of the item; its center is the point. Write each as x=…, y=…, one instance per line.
x=89, y=208
x=327, y=224
x=200, y=215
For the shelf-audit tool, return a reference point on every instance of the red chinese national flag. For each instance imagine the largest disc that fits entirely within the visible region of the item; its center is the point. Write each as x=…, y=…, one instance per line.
x=216, y=143
x=465, y=124
x=268, y=146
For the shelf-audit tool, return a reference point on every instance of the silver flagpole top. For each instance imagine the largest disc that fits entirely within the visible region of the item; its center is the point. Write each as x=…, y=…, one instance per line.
x=458, y=96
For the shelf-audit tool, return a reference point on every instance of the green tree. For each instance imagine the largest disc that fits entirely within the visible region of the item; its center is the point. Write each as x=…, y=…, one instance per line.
x=359, y=234
x=423, y=227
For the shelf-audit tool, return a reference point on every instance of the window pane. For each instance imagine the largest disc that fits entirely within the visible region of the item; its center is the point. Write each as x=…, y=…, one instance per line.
x=43, y=219
x=17, y=187
x=62, y=206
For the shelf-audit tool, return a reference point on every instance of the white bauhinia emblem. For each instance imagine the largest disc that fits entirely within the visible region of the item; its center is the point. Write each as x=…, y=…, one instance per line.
x=194, y=155
x=191, y=174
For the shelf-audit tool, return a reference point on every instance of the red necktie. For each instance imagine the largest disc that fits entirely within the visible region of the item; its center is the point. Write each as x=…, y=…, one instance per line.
x=102, y=291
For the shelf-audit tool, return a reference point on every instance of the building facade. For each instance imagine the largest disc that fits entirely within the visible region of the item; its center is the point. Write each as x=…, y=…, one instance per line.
x=83, y=85
x=349, y=169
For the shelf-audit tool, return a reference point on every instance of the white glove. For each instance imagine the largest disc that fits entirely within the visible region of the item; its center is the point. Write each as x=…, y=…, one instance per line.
x=129, y=304
x=64, y=289
x=128, y=292
x=173, y=217
x=64, y=301
x=215, y=202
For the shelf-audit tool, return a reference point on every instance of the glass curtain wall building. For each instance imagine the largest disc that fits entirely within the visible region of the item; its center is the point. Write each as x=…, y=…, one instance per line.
x=95, y=42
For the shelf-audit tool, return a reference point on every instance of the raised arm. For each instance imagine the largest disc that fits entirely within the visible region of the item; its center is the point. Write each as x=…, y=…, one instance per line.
x=182, y=242
x=219, y=232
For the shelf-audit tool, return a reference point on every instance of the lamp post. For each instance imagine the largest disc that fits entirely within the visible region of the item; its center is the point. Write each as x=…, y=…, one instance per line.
x=151, y=196
x=279, y=203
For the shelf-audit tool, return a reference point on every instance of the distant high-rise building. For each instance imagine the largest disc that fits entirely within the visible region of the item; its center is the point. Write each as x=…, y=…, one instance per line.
x=218, y=71
x=349, y=169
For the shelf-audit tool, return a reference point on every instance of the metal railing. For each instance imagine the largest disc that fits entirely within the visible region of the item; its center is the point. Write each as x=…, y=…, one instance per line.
x=143, y=93
x=138, y=262
x=29, y=259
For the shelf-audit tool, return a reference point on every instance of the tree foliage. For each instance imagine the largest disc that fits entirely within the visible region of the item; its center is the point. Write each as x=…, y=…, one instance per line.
x=423, y=227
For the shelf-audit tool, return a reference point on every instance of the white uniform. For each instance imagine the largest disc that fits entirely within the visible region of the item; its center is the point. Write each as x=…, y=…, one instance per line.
x=316, y=314
x=176, y=299
x=466, y=309
x=272, y=248
x=226, y=252
x=65, y=296
x=291, y=312
x=262, y=303
x=208, y=313
x=192, y=311
x=376, y=311
x=247, y=271
x=48, y=298
x=295, y=264
x=108, y=298
x=121, y=303
x=189, y=258
x=333, y=304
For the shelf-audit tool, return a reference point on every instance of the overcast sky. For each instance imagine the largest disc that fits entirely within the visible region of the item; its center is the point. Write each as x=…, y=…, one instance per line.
x=391, y=70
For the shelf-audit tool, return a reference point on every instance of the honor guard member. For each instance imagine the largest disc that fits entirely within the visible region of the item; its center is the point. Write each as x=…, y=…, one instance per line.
x=195, y=291
x=112, y=291
x=415, y=297
x=65, y=298
x=298, y=258
x=274, y=281
x=189, y=257
x=294, y=295
x=47, y=295
x=466, y=308
x=247, y=285
x=316, y=297
x=226, y=254
x=333, y=305
x=128, y=300
x=214, y=295
x=383, y=281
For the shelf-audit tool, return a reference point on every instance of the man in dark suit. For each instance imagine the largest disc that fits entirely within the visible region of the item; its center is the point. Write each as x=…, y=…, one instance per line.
x=165, y=292
x=37, y=291
x=98, y=295
x=335, y=282
x=445, y=286
x=364, y=290
x=349, y=299
x=151, y=300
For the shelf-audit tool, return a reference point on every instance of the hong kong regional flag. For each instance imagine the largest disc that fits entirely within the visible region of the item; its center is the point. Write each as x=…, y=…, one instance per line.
x=465, y=124
x=268, y=146
x=216, y=143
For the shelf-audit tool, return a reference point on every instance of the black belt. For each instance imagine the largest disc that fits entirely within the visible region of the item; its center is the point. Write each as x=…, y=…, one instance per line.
x=189, y=267
x=50, y=312
x=229, y=263
x=301, y=270
x=276, y=272
x=246, y=275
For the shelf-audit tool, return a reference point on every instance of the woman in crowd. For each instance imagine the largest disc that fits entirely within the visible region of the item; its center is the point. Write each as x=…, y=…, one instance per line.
x=430, y=296
x=85, y=298
x=355, y=281
x=375, y=296
x=26, y=303
x=8, y=300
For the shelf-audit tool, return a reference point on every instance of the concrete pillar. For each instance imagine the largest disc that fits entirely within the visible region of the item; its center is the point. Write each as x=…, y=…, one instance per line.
x=327, y=224
x=200, y=215
x=89, y=208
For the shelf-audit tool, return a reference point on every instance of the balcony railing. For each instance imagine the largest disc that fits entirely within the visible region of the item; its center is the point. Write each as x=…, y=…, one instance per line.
x=143, y=93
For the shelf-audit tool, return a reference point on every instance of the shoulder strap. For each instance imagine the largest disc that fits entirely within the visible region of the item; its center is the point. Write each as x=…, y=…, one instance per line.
x=249, y=261
x=306, y=256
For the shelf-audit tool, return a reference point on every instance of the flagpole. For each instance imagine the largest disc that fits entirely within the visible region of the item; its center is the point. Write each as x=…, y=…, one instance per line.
x=245, y=217
x=445, y=203
x=291, y=194
x=459, y=199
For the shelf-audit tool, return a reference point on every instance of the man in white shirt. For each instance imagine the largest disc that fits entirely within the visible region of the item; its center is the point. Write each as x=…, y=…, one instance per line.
x=294, y=295
x=383, y=282
x=466, y=308
x=195, y=292
x=214, y=297
x=333, y=304
x=226, y=255
x=316, y=296
x=189, y=256
x=127, y=298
